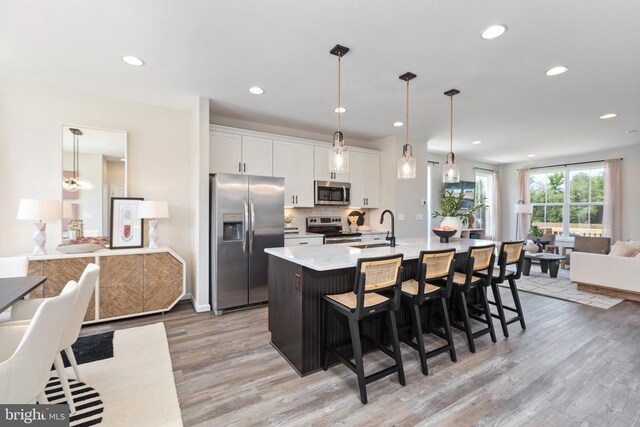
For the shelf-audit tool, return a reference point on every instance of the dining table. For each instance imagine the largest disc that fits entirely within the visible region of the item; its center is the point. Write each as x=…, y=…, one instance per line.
x=13, y=289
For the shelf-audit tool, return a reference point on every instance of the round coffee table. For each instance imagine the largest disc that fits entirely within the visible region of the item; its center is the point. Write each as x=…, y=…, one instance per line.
x=548, y=263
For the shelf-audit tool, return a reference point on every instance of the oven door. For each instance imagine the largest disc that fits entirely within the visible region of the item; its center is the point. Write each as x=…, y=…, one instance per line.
x=332, y=193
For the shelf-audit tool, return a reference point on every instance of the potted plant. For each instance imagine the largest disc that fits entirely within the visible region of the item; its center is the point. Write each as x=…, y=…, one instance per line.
x=452, y=212
x=537, y=232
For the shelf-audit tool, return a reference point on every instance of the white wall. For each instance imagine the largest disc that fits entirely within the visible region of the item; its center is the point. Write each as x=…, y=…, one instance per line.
x=630, y=179
x=159, y=158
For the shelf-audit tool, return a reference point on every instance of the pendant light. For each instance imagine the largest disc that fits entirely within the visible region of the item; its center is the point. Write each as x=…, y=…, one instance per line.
x=75, y=183
x=338, y=156
x=407, y=163
x=450, y=172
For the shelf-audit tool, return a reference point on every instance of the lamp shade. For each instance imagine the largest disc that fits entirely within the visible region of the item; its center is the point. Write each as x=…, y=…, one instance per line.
x=38, y=210
x=523, y=208
x=153, y=209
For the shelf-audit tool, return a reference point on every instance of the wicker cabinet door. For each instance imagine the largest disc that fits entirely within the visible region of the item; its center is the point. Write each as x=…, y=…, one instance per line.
x=162, y=281
x=36, y=268
x=121, y=285
x=60, y=271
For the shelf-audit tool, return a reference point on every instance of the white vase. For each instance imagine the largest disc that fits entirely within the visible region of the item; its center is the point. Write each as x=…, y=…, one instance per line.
x=453, y=222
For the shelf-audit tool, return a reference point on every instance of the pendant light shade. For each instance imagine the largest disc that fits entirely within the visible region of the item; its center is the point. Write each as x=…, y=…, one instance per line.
x=338, y=155
x=75, y=183
x=450, y=172
x=407, y=163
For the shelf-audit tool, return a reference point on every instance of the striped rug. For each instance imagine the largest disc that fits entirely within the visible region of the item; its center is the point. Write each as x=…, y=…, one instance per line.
x=89, y=406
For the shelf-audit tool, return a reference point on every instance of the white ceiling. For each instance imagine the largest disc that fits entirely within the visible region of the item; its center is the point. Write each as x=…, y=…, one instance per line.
x=219, y=49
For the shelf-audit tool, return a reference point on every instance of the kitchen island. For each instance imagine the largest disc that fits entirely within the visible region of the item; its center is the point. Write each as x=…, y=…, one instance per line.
x=299, y=276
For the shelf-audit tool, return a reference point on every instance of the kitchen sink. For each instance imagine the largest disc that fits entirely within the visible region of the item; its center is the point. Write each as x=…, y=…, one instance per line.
x=370, y=245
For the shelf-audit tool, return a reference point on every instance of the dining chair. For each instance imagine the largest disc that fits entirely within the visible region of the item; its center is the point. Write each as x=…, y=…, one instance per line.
x=16, y=266
x=25, y=309
x=29, y=349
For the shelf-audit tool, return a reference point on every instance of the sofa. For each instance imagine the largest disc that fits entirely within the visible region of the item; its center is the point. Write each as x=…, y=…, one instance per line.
x=612, y=275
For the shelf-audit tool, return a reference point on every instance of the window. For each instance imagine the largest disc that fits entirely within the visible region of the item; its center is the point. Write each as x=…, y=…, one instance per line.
x=485, y=187
x=569, y=201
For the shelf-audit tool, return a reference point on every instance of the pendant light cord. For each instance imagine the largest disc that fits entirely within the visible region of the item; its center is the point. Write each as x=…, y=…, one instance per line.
x=339, y=103
x=451, y=141
x=407, y=129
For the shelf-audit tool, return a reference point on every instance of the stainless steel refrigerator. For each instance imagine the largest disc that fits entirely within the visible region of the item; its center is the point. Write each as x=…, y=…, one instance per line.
x=246, y=216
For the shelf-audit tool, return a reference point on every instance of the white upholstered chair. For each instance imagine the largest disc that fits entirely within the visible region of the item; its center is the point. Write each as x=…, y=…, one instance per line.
x=27, y=350
x=17, y=266
x=25, y=309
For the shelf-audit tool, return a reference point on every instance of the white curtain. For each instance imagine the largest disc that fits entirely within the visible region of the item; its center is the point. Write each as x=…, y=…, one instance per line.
x=612, y=217
x=494, y=206
x=524, y=220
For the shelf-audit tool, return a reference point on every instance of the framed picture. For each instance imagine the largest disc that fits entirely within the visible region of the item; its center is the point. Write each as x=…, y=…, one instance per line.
x=127, y=228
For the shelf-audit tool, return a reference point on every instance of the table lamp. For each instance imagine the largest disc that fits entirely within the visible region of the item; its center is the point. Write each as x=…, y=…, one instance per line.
x=39, y=210
x=521, y=208
x=152, y=210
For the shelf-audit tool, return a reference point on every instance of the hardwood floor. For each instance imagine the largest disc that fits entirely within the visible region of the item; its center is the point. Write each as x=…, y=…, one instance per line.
x=575, y=365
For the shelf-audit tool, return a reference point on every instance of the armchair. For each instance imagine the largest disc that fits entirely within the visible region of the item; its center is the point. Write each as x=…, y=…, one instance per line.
x=593, y=245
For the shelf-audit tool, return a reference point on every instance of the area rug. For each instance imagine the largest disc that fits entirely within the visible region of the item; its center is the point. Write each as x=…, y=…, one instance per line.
x=127, y=380
x=562, y=288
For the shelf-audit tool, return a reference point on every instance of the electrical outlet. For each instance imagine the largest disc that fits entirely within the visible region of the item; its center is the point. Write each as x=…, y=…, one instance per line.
x=419, y=217
x=423, y=202
x=401, y=217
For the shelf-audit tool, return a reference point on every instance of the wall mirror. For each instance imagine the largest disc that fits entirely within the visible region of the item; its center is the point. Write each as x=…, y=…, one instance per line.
x=94, y=169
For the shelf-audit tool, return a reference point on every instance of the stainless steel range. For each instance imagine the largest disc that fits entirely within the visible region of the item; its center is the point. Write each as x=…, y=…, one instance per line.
x=331, y=227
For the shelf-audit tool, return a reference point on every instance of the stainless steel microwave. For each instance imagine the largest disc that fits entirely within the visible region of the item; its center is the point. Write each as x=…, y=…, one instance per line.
x=332, y=193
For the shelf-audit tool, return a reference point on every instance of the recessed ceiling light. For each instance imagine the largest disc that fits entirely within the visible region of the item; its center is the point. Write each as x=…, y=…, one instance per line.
x=476, y=142
x=398, y=124
x=133, y=60
x=494, y=32
x=609, y=116
x=631, y=131
x=256, y=90
x=560, y=69
x=340, y=110
x=123, y=160
x=531, y=155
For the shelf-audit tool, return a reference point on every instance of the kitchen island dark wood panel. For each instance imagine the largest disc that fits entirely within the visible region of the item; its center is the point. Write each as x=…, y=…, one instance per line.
x=299, y=276
x=295, y=311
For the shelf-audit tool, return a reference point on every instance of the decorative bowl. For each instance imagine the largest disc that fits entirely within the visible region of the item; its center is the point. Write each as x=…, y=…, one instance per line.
x=444, y=234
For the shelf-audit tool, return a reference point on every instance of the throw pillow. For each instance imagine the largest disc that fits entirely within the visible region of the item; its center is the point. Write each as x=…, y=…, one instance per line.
x=531, y=247
x=624, y=249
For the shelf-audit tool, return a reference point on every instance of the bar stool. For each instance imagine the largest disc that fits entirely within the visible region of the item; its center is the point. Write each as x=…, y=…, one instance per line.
x=372, y=275
x=480, y=258
x=511, y=253
x=433, y=281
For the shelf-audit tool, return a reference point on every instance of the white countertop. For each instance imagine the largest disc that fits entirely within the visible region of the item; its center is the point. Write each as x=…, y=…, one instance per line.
x=337, y=256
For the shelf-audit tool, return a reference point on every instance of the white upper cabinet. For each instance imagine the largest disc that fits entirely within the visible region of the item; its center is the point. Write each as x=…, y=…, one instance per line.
x=321, y=169
x=294, y=162
x=231, y=153
x=364, y=170
x=225, y=153
x=257, y=156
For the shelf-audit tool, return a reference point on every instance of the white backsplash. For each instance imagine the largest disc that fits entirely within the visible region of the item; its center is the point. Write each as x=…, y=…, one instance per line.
x=300, y=214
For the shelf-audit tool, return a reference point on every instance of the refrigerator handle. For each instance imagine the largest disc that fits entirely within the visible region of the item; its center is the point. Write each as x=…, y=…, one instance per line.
x=246, y=227
x=253, y=226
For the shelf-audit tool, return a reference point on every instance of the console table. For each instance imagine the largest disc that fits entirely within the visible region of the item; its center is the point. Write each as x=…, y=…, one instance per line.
x=132, y=282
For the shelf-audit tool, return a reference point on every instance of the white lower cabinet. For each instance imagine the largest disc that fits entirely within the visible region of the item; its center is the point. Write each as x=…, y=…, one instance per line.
x=302, y=241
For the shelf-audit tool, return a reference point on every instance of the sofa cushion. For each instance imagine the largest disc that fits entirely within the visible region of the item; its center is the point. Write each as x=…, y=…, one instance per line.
x=625, y=249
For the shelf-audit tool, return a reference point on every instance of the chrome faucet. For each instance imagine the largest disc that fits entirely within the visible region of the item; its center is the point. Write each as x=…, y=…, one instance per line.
x=391, y=239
